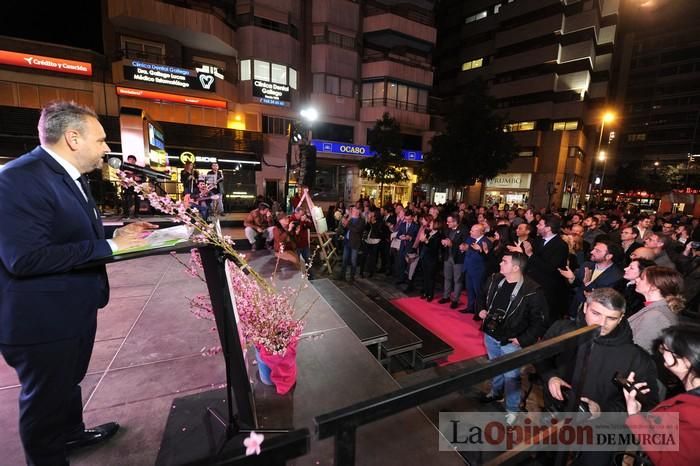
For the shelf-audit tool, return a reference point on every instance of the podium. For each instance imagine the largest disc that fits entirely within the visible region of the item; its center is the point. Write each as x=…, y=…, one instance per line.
x=209, y=415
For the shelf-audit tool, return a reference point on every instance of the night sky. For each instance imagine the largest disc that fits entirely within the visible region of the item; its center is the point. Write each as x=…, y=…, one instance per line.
x=74, y=23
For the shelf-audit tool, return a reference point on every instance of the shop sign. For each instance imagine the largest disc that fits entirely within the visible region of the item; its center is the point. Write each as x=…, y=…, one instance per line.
x=40, y=62
x=180, y=99
x=340, y=148
x=187, y=156
x=166, y=75
x=271, y=93
x=510, y=181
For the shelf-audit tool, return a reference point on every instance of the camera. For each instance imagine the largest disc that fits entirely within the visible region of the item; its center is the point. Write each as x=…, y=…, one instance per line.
x=558, y=407
x=695, y=245
x=494, y=319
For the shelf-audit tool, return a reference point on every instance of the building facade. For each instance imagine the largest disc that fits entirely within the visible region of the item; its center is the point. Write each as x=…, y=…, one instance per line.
x=658, y=90
x=548, y=64
x=223, y=80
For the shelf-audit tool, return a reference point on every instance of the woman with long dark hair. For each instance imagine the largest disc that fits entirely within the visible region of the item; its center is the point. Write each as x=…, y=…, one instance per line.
x=635, y=300
x=679, y=348
x=502, y=237
x=430, y=256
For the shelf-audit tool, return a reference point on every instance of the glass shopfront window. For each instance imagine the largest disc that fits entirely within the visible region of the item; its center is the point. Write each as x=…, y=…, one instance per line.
x=330, y=182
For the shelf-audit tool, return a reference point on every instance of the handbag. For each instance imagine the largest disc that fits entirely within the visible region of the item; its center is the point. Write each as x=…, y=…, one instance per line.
x=395, y=242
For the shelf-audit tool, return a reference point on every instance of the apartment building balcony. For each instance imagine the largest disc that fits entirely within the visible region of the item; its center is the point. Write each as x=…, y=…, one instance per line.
x=335, y=106
x=196, y=29
x=513, y=10
x=408, y=115
x=404, y=19
x=583, y=20
x=542, y=83
x=532, y=30
x=381, y=64
x=334, y=60
x=580, y=50
x=404, y=10
x=548, y=54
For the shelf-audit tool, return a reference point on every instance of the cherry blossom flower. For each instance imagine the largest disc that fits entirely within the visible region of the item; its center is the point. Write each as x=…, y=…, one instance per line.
x=253, y=443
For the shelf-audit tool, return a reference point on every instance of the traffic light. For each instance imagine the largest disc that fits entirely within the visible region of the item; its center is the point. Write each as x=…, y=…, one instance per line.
x=307, y=165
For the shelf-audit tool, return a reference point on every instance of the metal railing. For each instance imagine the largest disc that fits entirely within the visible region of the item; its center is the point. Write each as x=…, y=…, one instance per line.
x=342, y=424
x=393, y=103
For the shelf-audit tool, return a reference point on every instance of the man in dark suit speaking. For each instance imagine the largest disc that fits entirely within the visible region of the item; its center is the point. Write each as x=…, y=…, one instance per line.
x=48, y=308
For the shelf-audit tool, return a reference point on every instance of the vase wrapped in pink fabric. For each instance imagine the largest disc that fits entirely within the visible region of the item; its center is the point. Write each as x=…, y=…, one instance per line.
x=283, y=369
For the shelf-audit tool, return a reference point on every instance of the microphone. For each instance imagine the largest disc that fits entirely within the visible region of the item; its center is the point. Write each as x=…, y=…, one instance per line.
x=118, y=164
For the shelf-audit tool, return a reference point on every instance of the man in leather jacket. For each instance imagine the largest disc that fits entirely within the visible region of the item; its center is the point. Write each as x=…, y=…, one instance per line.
x=513, y=308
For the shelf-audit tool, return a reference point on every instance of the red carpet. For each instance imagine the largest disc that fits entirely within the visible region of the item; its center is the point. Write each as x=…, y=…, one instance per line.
x=458, y=330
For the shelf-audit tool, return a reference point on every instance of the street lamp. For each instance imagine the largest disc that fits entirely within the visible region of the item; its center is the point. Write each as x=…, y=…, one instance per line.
x=608, y=117
x=602, y=156
x=309, y=115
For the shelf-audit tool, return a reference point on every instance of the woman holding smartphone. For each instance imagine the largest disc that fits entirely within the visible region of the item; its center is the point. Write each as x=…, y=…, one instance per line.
x=679, y=348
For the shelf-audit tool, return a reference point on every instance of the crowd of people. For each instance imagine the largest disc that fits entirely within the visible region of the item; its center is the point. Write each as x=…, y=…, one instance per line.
x=533, y=274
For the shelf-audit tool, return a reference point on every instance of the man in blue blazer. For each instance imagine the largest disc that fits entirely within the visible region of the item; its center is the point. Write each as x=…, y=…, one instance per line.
x=476, y=248
x=48, y=309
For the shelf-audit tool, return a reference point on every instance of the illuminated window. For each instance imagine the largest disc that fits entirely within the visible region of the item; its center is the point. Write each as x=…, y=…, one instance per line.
x=153, y=52
x=565, y=125
x=519, y=126
x=576, y=152
x=473, y=64
x=261, y=70
x=496, y=8
x=527, y=153
x=279, y=74
x=476, y=17
x=245, y=70
x=292, y=78
x=637, y=137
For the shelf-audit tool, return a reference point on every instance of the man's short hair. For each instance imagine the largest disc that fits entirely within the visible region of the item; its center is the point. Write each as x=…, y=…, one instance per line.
x=608, y=298
x=665, y=240
x=614, y=249
x=517, y=258
x=263, y=205
x=635, y=232
x=60, y=116
x=553, y=222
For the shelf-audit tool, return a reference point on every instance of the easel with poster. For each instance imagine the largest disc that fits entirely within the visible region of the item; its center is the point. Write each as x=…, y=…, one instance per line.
x=328, y=252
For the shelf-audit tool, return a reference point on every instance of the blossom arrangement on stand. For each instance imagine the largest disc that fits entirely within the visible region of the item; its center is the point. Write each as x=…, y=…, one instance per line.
x=267, y=316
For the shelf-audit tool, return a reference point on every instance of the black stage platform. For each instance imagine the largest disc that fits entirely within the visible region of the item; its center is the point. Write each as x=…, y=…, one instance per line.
x=334, y=370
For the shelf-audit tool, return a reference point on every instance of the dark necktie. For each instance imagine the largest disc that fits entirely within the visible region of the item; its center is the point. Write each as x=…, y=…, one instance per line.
x=86, y=189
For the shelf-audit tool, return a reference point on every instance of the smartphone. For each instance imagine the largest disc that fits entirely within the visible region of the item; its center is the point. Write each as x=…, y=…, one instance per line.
x=623, y=383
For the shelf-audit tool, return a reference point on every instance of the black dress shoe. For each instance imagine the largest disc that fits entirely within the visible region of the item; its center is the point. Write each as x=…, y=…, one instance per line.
x=489, y=398
x=92, y=436
x=454, y=305
x=444, y=300
x=429, y=298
